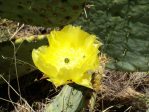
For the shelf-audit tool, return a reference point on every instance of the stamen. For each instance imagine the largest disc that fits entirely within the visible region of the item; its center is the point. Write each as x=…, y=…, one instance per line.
x=66, y=60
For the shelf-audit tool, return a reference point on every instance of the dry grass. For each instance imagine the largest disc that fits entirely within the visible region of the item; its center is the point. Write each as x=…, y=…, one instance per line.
x=124, y=90
x=8, y=28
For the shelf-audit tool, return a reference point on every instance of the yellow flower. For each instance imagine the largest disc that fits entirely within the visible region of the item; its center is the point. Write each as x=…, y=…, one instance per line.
x=72, y=56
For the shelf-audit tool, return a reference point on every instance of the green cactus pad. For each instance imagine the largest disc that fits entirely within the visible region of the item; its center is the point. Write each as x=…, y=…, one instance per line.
x=70, y=99
x=46, y=13
x=22, y=48
x=123, y=26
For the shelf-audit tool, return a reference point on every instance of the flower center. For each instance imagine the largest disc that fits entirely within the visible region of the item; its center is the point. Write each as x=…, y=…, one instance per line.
x=66, y=60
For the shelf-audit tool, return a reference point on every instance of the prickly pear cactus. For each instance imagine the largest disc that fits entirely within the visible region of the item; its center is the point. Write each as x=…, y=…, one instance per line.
x=70, y=99
x=46, y=13
x=123, y=26
x=15, y=56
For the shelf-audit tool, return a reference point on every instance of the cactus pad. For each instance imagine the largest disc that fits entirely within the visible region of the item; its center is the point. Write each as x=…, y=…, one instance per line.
x=19, y=52
x=46, y=13
x=70, y=99
x=123, y=27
